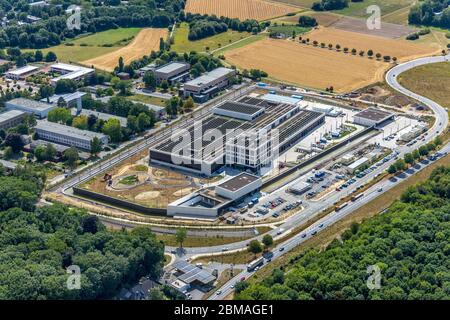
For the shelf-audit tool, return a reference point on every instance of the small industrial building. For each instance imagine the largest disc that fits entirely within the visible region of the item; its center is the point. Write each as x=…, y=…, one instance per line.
x=172, y=72
x=413, y=133
x=299, y=188
x=11, y=118
x=210, y=203
x=204, y=87
x=68, y=136
x=354, y=166
x=39, y=109
x=70, y=71
x=21, y=73
x=189, y=275
x=371, y=117
x=148, y=68
x=276, y=98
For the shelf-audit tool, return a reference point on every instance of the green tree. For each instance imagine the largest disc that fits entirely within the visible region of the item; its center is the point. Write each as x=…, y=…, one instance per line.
x=46, y=91
x=255, y=247
x=267, y=240
x=15, y=141
x=112, y=129
x=423, y=151
x=80, y=122
x=96, y=146
x=416, y=155
x=121, y=65
x=392, y=169
x=50, y=56
x=149, y=80
x=60, y=115
x=409, y=159
x=180, y=236
x=143, y=121
x=164, y=85
x=71, y=157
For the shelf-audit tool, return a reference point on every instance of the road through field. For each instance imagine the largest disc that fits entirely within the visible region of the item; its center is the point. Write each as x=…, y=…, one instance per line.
x=143, y=44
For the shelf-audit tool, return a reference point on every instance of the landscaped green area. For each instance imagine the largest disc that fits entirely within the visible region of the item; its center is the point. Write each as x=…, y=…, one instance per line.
x=147, y=99
x=183, y=44
x=358, y=9
x=408, y=243
x=94, y=45
x=130, y=180
x=170, y=240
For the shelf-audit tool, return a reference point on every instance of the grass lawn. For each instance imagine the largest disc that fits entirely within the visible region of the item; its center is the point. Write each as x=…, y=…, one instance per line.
x=287, y=29
x=93, y=45
x=358, y=9
x=183, y=44
x=147, y=99
x=130, y=180
x=299, y=3
x=244, y=42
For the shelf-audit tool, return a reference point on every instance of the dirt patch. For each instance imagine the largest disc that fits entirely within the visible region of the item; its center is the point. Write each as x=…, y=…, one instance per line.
x=147, y=195
x=307, y=65
x=183, y=192
x=241, y=9
x=146, y=41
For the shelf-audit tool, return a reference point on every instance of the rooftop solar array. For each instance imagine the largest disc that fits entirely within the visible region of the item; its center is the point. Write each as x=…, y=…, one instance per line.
x=191, y=273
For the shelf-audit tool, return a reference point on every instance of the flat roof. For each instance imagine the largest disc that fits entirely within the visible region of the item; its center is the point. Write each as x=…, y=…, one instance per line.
x=59, y=147
x=66, y=96
x=171, y=67
x=192, y=273
x=31, y=104
x=5, y=116
x=23, y=70
x=280, y=99
x=210, y=76
x=238, y=182
x=67, y=131
x=374, y=114
x=358, y=162
x=239, y=107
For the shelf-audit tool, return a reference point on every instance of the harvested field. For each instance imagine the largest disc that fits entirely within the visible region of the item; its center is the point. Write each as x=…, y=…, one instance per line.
x=324, y=18
x=388, y=30
x=146, y=41
x=241, y=9
x=307, y=65
x=402, y=49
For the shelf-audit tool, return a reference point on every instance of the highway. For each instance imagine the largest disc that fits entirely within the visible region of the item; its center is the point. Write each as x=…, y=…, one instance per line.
x=371, y=193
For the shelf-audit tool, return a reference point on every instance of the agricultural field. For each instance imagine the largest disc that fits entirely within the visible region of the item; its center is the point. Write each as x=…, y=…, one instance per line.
x=145, y=41
x=183, y=44
x=94, y=45
x=241, y=9
x=307, y=65
x=402, y=49
x=432, y=81
x=288, y=29
x=358, y=9
x=299, y=3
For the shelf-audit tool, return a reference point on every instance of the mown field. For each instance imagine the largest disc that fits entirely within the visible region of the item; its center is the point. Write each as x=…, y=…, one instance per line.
x=94, y=45
x=431, y=81
x=183, y=44
x=358, y=9
x=307, y=65
x=242, y=9
x=142, y=44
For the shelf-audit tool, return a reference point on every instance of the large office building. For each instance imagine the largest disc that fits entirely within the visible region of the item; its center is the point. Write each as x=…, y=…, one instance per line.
x=248, y=133
x=11, y=118
x=39, y=109
x=204, y=87
x=21, y=73
x=172, y=72
x=70, y=71
x=68, y=136
x=372, y=117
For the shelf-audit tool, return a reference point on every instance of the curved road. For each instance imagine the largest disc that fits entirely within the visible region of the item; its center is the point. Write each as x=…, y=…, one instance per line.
x=373, y=192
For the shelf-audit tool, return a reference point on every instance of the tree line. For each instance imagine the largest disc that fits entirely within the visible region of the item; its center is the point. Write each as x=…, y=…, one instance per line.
x=408, y=244
x=431, y=13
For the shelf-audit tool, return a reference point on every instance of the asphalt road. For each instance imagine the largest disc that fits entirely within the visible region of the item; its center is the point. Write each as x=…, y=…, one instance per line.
x=373, y=192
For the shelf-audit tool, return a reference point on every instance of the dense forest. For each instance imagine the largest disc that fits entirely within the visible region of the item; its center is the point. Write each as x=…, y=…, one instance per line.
x=37, y=244
x=330, y=5
x=52, y=29
x=431, y=13
x=203, y=26
x=409, y=243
